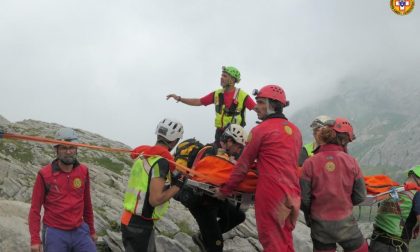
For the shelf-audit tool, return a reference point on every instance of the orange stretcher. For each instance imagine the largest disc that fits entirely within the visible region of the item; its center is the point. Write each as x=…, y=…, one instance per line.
x=217, y=170
x=381, y=187
x=214, y=171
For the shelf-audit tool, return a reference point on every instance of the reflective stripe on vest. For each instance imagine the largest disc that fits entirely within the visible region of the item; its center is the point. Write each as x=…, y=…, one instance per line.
x=309, y=149
x=222, y=119
x=137, y=188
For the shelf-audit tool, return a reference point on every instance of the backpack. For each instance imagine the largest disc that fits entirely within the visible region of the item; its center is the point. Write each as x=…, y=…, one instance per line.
x=186, y=152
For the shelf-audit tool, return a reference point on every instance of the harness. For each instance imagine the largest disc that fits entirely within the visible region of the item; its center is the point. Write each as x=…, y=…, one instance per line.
x=231, y=111
x=399, y=244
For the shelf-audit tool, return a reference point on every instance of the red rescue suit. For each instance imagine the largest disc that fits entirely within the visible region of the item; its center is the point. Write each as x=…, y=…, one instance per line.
x=276, y=144
x=65, y=197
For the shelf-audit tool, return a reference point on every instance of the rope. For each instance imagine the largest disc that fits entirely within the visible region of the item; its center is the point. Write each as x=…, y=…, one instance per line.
x=179, y=167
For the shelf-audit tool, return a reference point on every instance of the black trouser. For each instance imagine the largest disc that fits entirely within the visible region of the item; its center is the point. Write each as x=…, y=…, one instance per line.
x=348, y=245
x=382, y=246
x=206, y=214
x=138, y=235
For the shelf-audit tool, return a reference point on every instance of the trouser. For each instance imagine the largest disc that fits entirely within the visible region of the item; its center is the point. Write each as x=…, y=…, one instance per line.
x=138, y=235
x=358, y=244
x=276, y=211
x=207, y=213
x=75, y=240
x=383, y=244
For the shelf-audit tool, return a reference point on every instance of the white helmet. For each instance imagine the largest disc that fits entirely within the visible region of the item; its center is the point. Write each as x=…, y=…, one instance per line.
x=320, y=121
x=170, y=129
x=237, y=133
x=66, y=134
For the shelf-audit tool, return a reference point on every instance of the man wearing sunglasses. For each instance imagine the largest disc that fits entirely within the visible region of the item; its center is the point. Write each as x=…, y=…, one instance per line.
x=62, y=188
x=307, y=150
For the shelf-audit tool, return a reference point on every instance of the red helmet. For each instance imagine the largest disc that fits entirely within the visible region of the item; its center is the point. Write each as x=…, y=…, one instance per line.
x=273, y=92
x=343, y=125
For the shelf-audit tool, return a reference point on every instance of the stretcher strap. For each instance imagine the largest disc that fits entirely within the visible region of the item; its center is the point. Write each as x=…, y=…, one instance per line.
x=179, y=167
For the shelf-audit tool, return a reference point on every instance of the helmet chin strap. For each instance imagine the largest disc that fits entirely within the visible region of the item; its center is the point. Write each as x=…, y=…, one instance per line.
x=270, y=111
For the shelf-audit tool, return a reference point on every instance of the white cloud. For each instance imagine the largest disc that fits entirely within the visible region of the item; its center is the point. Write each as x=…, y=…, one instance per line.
x=106, y=66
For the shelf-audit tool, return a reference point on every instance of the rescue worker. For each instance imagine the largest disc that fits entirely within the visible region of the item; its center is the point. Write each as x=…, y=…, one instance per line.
x=332, y=183
x=276, y=144
x=62, y=188
x=398, y=222
x=307, y=150
x=230, y=102
x=1, y=133
x=215, y=217
x=148, y=192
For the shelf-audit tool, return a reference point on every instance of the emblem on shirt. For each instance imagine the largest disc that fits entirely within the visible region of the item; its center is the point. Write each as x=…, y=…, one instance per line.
x=330, y=166
x=402, y=7
x=77, y=183
x=288, y=130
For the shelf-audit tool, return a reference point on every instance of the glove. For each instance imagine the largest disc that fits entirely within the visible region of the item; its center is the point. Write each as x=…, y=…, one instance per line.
x=178, y=179
x=1, y=133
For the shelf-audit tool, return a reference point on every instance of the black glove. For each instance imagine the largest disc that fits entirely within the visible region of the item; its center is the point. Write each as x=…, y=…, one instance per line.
x=178, y=179
x=1, y=133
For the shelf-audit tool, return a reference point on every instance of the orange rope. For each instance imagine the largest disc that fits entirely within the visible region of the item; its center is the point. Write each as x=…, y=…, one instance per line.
x=179, y=167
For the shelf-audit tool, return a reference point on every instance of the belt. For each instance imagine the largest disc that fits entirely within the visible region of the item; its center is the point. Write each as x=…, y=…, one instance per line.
x=389, y=240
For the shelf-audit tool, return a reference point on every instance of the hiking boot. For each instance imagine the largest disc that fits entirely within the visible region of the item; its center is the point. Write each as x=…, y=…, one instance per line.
x=198, y=239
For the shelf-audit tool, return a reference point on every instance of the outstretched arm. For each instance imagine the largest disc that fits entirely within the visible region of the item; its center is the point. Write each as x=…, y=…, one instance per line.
x=188, y=101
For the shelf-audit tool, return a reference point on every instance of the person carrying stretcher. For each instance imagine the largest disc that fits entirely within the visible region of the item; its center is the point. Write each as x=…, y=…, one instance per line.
x=215, y=217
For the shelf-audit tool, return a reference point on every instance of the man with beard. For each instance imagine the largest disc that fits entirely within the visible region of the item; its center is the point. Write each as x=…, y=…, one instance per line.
x=275, y=143
x=63, y=189
x=230, y=102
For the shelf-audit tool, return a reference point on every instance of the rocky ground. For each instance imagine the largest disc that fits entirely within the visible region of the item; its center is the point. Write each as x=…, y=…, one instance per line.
x=20, y=162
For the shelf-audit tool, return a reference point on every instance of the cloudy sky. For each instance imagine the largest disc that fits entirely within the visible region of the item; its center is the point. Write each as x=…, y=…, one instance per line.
x=106, y=66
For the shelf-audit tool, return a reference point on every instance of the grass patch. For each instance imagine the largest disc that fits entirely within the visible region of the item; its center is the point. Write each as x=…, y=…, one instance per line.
x=19, y=151
x=110, y=165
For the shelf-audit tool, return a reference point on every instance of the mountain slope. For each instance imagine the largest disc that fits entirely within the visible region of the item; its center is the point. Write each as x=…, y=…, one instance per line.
x=385, y=114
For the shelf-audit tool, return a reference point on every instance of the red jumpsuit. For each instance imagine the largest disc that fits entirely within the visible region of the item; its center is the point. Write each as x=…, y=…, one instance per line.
x=276, y=144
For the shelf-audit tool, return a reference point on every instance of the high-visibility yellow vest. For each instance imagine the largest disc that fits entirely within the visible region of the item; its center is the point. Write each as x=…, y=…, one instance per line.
x=235, y=114
x=138, y=186
x=309, y=147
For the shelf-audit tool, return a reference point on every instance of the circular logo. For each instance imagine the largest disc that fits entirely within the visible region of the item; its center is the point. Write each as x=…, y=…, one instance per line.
x=218, y=242
x=77, y=183
x=402, y=7
x=330, y=166
x=288, y=130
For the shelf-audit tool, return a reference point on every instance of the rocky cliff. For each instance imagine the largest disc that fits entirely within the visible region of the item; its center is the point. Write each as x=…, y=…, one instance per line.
x=20, y=162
